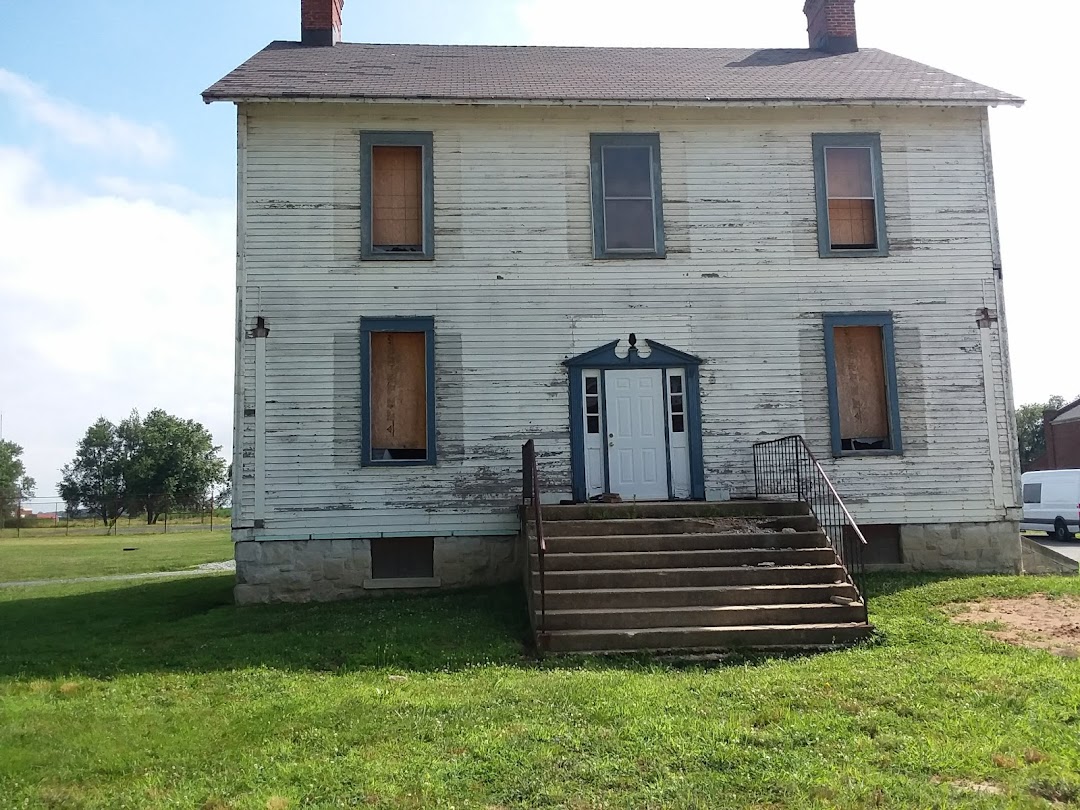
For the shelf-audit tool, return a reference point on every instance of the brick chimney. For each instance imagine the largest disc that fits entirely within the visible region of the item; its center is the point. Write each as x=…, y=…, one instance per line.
x=320, y=21
x=831, y=25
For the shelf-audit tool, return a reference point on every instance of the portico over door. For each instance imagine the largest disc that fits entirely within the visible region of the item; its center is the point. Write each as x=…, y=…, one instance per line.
x=635, y=423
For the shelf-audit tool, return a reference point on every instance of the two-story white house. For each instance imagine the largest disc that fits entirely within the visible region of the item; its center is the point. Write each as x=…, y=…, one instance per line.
x=644, y=259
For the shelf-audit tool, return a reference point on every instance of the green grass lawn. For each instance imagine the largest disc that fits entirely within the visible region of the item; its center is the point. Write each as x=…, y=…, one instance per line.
x=58, y=557
x=165, y=695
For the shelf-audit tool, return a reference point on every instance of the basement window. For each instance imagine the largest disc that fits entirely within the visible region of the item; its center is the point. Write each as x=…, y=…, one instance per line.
x=628, y=217
x=402, y=558
x=397, y=378
x=861, y=368
x=850, y=197
x=397, y=188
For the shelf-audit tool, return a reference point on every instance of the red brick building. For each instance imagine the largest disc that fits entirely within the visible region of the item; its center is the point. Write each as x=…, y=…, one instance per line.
x=1062, y=429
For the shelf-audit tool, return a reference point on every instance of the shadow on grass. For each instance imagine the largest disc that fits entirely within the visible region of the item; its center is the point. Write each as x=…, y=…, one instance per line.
x=192, y=625
x=887, y=583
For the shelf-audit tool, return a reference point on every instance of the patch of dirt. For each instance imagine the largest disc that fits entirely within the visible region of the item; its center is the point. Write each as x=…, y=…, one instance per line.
x=1034, y=621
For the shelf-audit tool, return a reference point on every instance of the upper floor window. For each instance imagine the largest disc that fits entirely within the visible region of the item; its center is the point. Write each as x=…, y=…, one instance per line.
x=850, y=195
x=397, y=189
x=628, y=217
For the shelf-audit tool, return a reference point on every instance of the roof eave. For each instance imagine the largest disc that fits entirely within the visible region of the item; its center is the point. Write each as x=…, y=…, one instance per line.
x=1004, y=101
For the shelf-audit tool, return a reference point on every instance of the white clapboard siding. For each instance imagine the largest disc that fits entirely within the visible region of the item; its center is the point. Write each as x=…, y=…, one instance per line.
x=514, y=290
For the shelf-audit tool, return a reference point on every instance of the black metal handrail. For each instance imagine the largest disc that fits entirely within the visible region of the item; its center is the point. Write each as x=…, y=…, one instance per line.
x=788, y=467
x=530, y=491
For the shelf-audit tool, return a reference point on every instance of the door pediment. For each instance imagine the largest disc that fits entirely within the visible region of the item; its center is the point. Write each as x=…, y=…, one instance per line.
x=659, y=356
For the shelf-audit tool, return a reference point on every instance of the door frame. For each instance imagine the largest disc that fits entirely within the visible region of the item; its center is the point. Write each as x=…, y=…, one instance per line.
x=662, y=357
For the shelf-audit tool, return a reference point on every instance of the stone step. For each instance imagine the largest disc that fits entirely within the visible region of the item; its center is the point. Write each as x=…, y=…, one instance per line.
x=698, y=558
x=616, y=598
x=738, y=637
x=682, y=542
x=673, y=509
x=691, y=577
x=670, y=525
x=701, y=616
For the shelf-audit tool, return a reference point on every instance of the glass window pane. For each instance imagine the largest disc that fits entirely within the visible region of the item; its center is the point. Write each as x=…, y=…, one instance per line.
x=629, y=225
x=675, y=383
x=627, y=171
x=592, y=405
x=678, y=424
x=593, y=424
x=591, y=385
x=676, y=404
x=848, y=171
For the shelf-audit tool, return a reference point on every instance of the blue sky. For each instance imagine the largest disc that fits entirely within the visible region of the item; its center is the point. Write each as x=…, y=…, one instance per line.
x=117, y=183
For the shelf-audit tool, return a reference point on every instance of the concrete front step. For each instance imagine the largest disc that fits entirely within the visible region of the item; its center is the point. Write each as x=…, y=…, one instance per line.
x=701, y=616
x=736, y=595
x=692, y=577
x=682, y=542
x=694, y=558
x=670, y=525
x=738, y=637
x=673, y=509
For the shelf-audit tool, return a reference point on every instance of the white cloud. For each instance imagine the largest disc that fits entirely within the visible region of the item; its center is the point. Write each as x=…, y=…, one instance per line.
x=81, y=127
x=108, y=304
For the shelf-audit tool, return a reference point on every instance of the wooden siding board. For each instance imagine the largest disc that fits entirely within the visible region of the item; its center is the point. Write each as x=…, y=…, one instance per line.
x=514, y=290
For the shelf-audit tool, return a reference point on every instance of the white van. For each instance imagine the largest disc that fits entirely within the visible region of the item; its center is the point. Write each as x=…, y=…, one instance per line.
x=1052, y=502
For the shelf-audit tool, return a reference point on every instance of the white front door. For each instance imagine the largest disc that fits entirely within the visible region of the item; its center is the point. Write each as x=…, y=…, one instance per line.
x=637, y=440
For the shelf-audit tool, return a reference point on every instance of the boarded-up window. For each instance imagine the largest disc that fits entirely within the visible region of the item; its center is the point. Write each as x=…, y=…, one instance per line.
x=852, y=207
x=402, y=557
x=397, y=198
x=862, y=395
x=398, y=397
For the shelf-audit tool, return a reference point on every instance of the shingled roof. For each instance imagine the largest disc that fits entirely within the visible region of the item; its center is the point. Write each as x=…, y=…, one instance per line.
x=289, y=70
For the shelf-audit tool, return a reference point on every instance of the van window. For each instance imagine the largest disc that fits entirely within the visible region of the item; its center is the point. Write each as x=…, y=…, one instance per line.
x=1032, y=493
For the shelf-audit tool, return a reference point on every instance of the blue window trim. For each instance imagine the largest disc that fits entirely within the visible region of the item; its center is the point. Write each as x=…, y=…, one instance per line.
x=884, y=320
x=661, y=357
x=597, y=142
x=872, y=141
x=415, y=323
x=424, y=140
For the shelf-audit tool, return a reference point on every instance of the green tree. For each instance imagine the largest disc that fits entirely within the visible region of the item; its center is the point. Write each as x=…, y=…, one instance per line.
x=15, y=484
x=1029, y=428
x=172, y=463
x=96, y=478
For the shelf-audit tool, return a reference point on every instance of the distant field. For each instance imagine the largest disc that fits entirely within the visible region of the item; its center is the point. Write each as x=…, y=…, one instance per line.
x=56, y=556
x=133, y=524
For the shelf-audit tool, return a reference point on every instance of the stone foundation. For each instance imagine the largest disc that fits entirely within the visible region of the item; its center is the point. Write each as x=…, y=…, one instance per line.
x=977, y=548
x=326, y=570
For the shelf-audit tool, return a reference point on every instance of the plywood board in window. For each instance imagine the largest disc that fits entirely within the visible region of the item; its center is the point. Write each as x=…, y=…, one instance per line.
x=397, y=196
x=851, y=224
x=860, y=382
x=398, y=391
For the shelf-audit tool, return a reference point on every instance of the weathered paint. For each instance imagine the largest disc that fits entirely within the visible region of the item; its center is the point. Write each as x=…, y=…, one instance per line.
x=514, y=291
